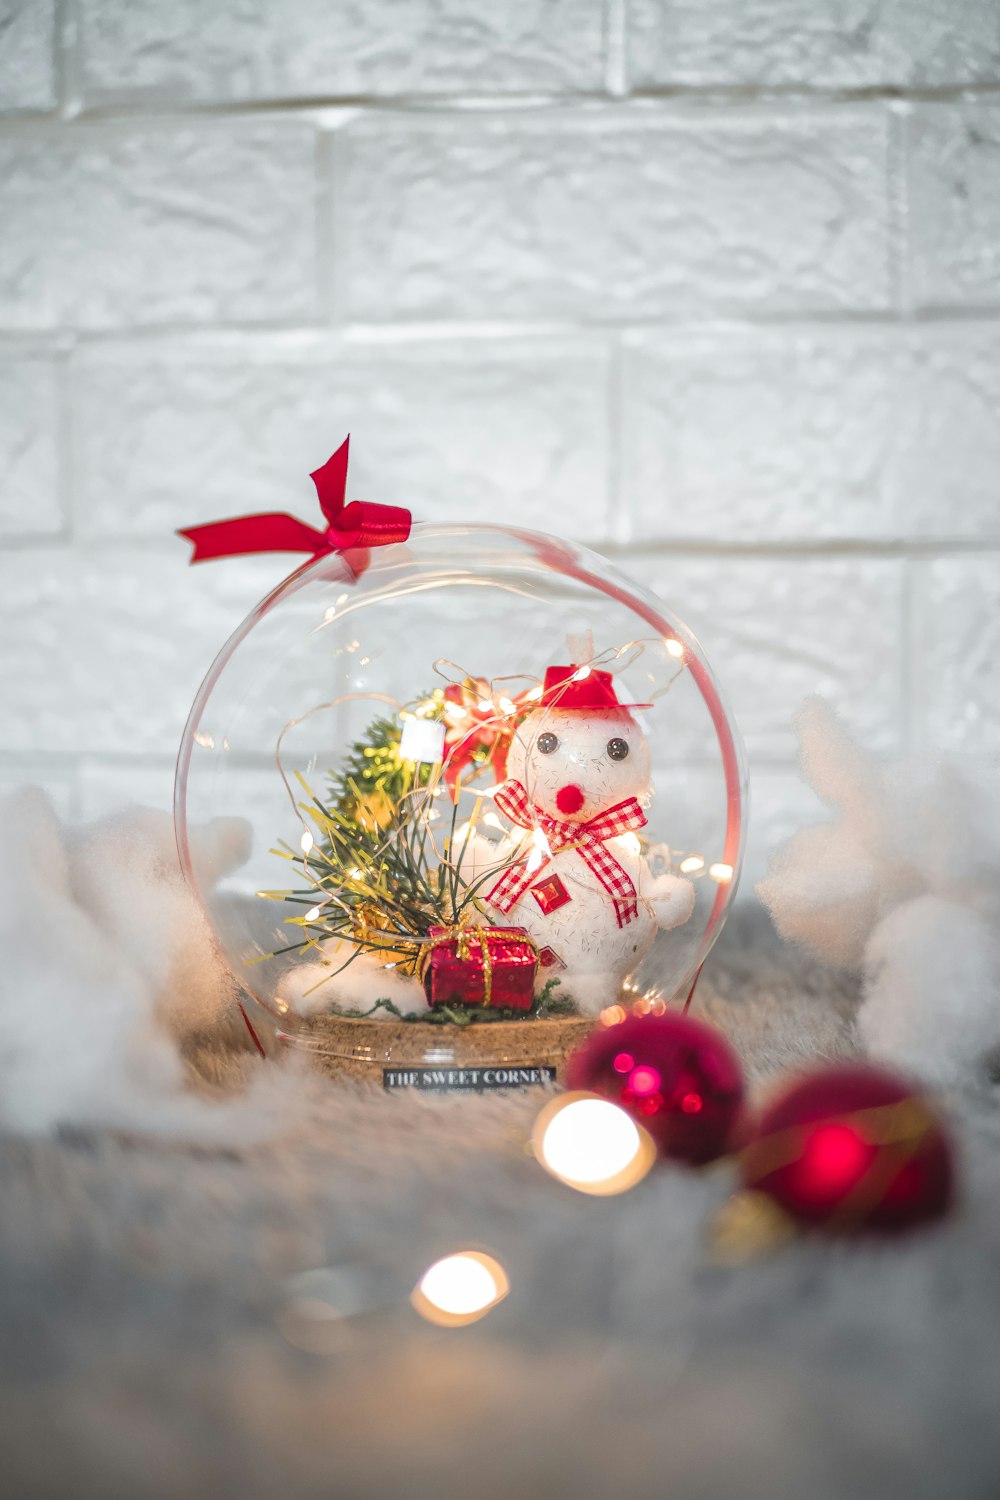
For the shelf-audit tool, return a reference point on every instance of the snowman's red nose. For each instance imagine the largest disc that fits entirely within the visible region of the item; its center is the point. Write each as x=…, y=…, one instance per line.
x=569, y=799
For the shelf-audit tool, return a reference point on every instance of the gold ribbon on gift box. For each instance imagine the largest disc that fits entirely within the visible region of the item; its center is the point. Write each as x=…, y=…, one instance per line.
x=463, y=936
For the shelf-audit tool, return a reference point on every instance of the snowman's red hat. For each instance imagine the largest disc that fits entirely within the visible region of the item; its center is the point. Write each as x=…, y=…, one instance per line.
x=584, y=688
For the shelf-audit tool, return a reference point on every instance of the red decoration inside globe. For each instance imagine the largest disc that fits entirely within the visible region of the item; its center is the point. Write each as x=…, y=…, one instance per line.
x=852, y=1146
x=677, y=1076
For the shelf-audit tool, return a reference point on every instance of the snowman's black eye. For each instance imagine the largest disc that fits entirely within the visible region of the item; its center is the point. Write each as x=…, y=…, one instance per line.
x=618, y=749
x=547, y=743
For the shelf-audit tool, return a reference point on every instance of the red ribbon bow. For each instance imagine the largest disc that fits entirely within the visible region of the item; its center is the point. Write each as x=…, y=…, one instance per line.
x=361, y=524
x=587, y=838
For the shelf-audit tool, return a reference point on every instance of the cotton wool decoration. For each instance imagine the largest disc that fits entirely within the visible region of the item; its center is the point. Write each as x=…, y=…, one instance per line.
x=901, y=885
x=491, y=790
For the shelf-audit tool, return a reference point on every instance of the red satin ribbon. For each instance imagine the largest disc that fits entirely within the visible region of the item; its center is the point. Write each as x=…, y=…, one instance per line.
x=361, y=524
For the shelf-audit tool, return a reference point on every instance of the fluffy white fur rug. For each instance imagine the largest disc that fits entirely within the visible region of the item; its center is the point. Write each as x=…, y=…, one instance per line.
x=163, y=1191
x=144, y=1286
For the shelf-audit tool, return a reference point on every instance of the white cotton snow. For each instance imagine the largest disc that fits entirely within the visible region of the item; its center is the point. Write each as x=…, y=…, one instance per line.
x=107, y=963
x=904, y=886
x=308, y=988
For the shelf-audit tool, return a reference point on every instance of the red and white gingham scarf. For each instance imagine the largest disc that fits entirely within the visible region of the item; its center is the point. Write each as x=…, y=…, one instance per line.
x=586, y=838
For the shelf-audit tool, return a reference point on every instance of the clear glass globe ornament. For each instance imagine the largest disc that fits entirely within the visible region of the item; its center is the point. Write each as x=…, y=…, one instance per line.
x=422, y=665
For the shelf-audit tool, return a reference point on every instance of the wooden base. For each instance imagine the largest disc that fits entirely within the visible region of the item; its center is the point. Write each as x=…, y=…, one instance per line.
x=349, y=1047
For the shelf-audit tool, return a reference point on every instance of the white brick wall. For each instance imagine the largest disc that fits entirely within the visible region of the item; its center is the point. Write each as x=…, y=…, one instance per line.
x=711, y=284
x=30, y=442
x=206, y=222
x=845, y=44
x=335, y=49
x=27, y=55
x=513, y=423
x=600, y=214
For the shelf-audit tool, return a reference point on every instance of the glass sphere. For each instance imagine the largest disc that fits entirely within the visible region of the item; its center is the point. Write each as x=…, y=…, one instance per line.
x=430, y=676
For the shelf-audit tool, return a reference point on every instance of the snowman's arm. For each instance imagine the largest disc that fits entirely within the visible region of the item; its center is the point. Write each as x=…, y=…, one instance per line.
x=670, y=896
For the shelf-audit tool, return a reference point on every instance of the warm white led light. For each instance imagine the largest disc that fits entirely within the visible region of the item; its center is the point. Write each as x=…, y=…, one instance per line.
x=693, y=863
x=312, y=914
x=591, y=1144
x=674, y=648
x=460, y=1288
x=422, y=740
x=589, y=1141
x=459, y=1285
x=721, y=873
x=306, y=842
x=540, y=851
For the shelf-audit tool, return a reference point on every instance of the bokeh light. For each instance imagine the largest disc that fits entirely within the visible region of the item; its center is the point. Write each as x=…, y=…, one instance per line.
x=460, y=1288
x=592, y=1145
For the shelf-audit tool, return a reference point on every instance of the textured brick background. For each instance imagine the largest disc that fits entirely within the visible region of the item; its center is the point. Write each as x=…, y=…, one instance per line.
x=713, y=285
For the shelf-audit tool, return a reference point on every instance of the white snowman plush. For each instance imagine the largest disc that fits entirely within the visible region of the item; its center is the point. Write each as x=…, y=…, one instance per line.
x=578, y=770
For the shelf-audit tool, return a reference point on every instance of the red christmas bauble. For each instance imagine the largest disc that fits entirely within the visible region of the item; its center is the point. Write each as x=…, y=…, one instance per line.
x=851, y=1146
x=676, y=1076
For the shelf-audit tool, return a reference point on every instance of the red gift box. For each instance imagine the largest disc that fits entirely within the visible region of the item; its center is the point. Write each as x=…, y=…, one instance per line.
x=480, y=966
